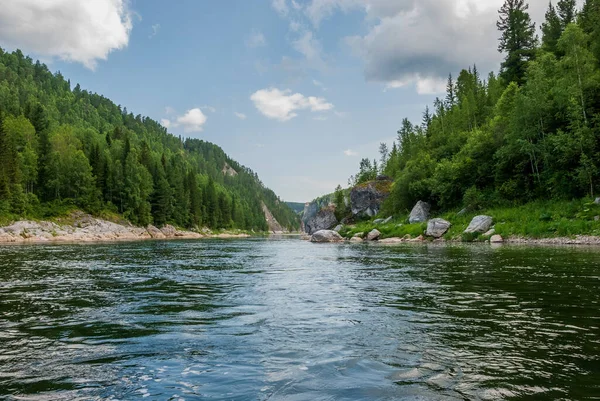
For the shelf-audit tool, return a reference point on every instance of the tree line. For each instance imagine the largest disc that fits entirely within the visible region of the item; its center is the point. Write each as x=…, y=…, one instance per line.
x=63, y=148
x=530, y=132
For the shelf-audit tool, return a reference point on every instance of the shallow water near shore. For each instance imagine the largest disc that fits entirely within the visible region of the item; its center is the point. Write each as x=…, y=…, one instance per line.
x=284, y=319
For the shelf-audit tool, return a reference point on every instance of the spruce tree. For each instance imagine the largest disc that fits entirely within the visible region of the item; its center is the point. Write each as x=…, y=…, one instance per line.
x=517, y=40
x=551, y=30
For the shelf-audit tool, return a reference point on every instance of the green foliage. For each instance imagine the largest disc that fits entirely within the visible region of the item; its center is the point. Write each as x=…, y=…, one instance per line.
x=532, y=136
x=63, y=149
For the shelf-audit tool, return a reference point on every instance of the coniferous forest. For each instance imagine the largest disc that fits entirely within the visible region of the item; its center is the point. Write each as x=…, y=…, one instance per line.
x=531, y=132
x=64, y=148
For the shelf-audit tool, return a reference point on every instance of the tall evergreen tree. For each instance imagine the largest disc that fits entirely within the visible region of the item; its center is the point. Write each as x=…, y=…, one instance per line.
x=517, y=39
x=567, y=11
x=551, y=30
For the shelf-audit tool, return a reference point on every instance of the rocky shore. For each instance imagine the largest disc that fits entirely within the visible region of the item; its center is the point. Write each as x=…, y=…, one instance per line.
x=85, y=228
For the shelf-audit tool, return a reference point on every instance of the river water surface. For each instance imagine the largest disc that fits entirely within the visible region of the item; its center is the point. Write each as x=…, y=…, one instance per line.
x=290, y=320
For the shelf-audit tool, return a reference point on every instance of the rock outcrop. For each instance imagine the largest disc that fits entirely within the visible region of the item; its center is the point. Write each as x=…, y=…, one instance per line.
x=366, y=199
x=322, y=236
x=436, y=228
x=272, y=222
x=82, y=227
x=323, y=219
x=479, y=224
x=496, y=239
x=419, y=213
x=228, y=170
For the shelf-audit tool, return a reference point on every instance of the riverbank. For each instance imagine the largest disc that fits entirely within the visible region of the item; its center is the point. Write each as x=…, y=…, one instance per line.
x=544, y=222
x=81, y=227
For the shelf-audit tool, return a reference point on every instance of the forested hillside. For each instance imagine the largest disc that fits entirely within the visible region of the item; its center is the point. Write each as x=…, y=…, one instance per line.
x=63, y=148
x=531, y=132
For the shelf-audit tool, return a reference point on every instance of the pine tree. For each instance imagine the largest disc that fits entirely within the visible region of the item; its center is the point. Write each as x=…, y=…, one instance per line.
x=450, y=92
x=517, y=40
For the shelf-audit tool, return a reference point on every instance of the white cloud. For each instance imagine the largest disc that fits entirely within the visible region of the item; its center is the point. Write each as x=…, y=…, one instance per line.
x=256, y=39
x=350, y=153
x=283, y=105
x=419, y=42
x=165, y=123
x=281, y=7
x=241, y=116
x=192, y=121
x=169, y=110
x=310, y=47
x=155, y=29
x=73, y=30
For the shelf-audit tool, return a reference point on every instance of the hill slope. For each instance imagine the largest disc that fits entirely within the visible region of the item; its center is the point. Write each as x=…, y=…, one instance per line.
x=63, y=148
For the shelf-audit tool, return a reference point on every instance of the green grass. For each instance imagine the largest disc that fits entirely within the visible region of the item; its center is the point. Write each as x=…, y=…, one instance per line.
x=540, y=219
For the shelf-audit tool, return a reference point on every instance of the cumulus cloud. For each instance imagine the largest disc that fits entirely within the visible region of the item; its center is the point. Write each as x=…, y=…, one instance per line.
x=256, y=39
x=350, y=153
x=241, y=116
x=192, y=121
x=73, y=30
x=165, y=122
x=282, y=105
x=419, y=42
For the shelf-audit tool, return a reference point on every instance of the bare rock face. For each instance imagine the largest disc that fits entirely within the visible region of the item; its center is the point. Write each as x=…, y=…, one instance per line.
x=366, y=199
x=479, y=224
x=168, y=231
x=322, y=236
x=419, y=213
x=373, y=235
x=272, y=222
x=324, y=219
x=436, y=228
x=155, y=232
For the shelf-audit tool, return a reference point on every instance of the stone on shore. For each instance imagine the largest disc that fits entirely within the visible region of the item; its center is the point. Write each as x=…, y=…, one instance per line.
x=356, y=239
x=489, y=233
x=391, y=241
x=436, y=228
x=419, y=213
x=479, y=224
x=326, y=236
x=496, y=239
x=338, y=228
x=373, y=235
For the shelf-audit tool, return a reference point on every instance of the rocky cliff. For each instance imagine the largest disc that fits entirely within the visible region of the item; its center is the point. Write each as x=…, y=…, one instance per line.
x=366, y=199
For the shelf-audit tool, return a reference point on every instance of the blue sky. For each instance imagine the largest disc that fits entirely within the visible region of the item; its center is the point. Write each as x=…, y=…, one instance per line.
x=297, y=90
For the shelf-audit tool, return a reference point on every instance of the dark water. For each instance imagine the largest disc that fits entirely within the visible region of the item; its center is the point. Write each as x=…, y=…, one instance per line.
x=289, y=320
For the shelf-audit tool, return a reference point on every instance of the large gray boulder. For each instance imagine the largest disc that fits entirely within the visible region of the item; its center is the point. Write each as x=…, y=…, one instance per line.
x=479, y=224
x=324, y=219
x=420, y=213
x=366, y=199
x=436, y=228
x=373, y=235
x=326, y=236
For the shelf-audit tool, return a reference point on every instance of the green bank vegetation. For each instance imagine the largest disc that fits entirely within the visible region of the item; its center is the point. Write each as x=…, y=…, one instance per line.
x=65, y=149
x=537, y=220
x=523, y=146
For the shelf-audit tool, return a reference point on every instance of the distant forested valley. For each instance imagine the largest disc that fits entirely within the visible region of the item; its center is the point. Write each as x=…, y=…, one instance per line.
x=64, y=148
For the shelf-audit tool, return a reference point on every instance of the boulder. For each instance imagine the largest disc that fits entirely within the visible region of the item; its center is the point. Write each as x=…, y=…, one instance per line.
x=436, y=228
x=326, y=236
x=489, y=233
x=373, y=235
x=338, y=228
x=479, y=224
x=420, y=213
x=378, y=221
x=366, y=199
x=324, y=219
x=154, y=232
x=496, y=239
x=597, y=201
x=169, y=231
x=358, y=235
x=356, y=239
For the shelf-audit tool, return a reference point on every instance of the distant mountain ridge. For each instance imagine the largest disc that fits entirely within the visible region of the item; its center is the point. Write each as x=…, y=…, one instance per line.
x=63, y=148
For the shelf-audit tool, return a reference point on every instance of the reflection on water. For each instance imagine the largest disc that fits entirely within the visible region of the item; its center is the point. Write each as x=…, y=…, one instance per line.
x=285, y=319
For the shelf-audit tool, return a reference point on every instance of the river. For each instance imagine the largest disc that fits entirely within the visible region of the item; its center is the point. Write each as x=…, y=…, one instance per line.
x=283, y=319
